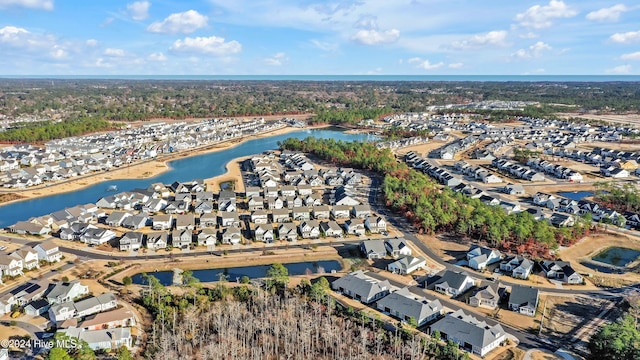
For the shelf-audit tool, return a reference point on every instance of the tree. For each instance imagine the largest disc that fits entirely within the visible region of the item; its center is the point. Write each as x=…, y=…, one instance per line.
x=123, y=353
x=58, y=354
x=617, y=341
x=318, y=291
x=278, y=277
x=127, y=280
x=245, y=279
x=412, y=322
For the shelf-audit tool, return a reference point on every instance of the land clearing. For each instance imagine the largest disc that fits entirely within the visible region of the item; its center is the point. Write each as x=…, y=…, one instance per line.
x=632, y=119
x=565, y=315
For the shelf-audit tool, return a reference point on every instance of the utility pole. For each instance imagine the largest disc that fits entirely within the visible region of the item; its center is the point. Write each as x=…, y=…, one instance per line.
x=542, y=318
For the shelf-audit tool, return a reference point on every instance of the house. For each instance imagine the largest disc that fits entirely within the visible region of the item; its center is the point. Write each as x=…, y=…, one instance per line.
x=397, y=247
x=207, y=237
x=479, y=257
x=135, y=222
x=185, y=222
x=10, y=266
x=560, y=270
x=471, y=334
x=231, y=235
x=518, y=266
x=373, y=249
x=361, y=211
x=102, y=339
x=361, y=287
x=181, y=239
x=280, y=215
x=229, y=218
x=95, y=304
x=26, y=227
x=287, y=231
x=330, y=229
x=116, y=218
x=131, y=240
x=65, y=291
x=28, y=256
x=407, y=264
x=263, y=232
x=227, y=201
x=208, y=220
x=405, y=305
x=203, y=207
x=354, y=227
x=111, y=319
x=321, y=212
x=487, y=296
x=259, y=217
x=97, y=236
x=255, y=203
x=561, y=220
x=162, y=222
x=454, y=283
x=541, y=198
x=513, y=189
x=37, y=307
x=340, y=212
x=157, y=240
x=300, y=213
x=309, y=229
x=524, y=299
x=375, y=224
x=61, y=312
x=28, y=292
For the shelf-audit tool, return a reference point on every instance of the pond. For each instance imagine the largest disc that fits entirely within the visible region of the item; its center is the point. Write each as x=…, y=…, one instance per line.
x=253, y=272
x=576, y=195
x=617, y=256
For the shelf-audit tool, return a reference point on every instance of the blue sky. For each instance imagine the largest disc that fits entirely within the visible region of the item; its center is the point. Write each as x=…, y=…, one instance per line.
x=317, y=37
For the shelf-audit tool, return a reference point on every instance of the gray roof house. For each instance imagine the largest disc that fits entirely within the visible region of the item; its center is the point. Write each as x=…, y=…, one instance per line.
x=65, y=291
x=287, y=231
x=108, y=339
x=361, y=287
x=471, y=334
x=524, y=299
x=405, y=305
x=231, y=235
x=454, y=283
x=519, y=267
x=331, y=229
x=373, y=249
x=397, y=247
x=131, y=240
x=407, y=264
x=487, y=296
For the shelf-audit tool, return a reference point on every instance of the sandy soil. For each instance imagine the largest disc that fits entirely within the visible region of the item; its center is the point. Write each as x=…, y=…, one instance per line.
x=140, y=170
x=633, y=119
x=544, y=355
x=233, y=174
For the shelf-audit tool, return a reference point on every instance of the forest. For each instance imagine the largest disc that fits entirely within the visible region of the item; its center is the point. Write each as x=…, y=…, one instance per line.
x=432, y=209
x=274, y=322
x=620, y=197
x=131, y=100
x=47, y=130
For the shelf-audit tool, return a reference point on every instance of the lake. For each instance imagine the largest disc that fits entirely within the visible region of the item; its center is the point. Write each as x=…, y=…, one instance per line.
x=576, y=195
x=253, y=272
x=195, y=167
x=617, y=256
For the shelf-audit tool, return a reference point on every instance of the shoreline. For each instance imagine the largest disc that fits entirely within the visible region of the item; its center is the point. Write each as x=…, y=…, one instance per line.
x=147, y=169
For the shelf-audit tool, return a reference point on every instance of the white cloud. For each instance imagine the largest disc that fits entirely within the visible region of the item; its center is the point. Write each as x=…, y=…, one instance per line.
x=533, y=51
x=425, y=64
x=375, y=37
x=607, y=14
x=180, y=23
x=112, y=52
x=492, y=38
x=529, y=35
x=632, y=56
x=622, y=69
x=139, y=10
x=157, y=56
x=212, y=45
x=91, y=42
x=14, y=38
x=626, y=38
x=456, y=65
x=324, y=46
x=542, y=16
x=367, y=22
x=32, y=4
x=277, y=59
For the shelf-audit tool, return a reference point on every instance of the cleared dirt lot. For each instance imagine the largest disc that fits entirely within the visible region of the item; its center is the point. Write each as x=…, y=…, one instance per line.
x=632, y=119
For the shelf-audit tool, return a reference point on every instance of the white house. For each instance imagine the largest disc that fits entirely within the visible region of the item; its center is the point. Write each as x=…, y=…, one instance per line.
x=407, y=264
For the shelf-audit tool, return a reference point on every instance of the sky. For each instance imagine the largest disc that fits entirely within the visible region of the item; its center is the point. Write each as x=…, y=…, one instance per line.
x=319, y=37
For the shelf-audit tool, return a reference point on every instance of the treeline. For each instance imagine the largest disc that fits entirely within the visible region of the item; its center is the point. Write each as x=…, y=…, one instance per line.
x=619, y=340
x=49, y=130
x=432, y=209
x=620, y=197
x=346, y=116
x=396, y=132
x=246, y=322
